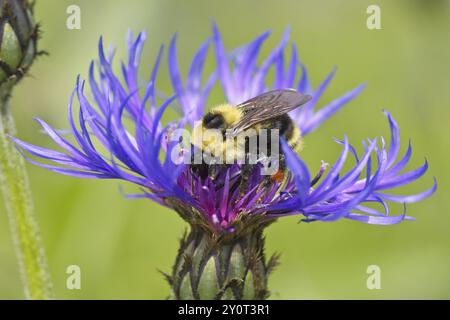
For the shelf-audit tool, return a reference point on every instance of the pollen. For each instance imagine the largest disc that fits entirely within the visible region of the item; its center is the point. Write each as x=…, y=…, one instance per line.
x=278, y=176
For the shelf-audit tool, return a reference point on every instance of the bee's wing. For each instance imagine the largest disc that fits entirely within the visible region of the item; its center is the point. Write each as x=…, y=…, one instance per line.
x=268, y=105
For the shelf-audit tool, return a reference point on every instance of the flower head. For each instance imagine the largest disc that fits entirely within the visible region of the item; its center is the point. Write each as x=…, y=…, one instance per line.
x=119, y=134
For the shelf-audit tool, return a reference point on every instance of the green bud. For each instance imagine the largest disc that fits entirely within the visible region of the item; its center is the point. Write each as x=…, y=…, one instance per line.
x=231, y=267
x=18, y=39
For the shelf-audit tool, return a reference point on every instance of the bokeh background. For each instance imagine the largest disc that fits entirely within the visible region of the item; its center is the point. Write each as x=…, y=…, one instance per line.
x=119, y=244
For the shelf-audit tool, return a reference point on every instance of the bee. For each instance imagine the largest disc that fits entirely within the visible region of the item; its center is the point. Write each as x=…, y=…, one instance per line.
x=227, y=122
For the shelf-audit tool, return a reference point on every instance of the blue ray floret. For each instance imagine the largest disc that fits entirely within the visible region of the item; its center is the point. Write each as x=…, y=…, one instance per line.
x=119, y=134
x=241, y=78
x=347, y=195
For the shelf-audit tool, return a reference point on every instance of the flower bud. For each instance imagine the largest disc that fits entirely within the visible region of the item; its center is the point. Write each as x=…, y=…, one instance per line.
x=209, y=268
x=18, y=37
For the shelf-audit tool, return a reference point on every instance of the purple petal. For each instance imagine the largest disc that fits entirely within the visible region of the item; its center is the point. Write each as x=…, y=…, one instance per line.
x=326, y=112
x=409, y=198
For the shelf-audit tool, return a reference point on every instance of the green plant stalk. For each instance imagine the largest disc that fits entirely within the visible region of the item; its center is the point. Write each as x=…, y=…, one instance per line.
x=19, y=206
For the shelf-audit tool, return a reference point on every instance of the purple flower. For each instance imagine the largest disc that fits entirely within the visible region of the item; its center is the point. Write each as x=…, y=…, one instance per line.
x=124, y=119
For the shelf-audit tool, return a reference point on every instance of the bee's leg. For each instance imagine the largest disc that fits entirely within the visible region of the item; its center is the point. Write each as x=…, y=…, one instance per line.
x=204, y=170
x=246, y=171
x=278, y=176
x=200, y=170
x=214, y=170
x=198, y=167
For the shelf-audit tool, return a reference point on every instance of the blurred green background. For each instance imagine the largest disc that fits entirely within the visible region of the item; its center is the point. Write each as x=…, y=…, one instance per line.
x=119, y=244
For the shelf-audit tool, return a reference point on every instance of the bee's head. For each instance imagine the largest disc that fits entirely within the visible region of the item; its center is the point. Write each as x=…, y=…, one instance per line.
x=210, y=131
x=213, y=121
x=222, y=117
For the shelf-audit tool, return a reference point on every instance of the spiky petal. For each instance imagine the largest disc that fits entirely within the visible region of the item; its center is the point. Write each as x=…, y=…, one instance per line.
x=242, y=78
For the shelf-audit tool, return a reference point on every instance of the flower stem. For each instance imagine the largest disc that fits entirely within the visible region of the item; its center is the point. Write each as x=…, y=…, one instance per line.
x=20, y=211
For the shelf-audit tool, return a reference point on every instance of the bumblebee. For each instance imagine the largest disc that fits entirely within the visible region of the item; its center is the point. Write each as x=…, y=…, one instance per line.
x=225, y=123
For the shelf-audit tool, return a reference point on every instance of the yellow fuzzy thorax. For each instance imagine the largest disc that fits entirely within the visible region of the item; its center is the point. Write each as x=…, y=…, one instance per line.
x=231, y=114
x=212, y=141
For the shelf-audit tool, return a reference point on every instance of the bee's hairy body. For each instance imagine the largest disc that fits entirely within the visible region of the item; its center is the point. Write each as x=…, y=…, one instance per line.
x=215, y=134
x=225, y=117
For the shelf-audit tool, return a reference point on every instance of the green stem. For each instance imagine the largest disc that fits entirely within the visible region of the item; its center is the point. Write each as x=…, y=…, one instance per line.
x=19, y=207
